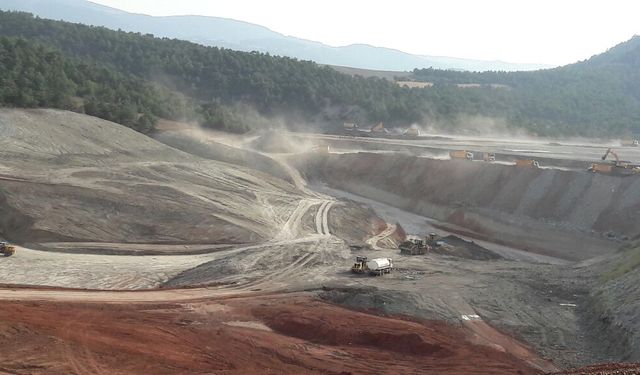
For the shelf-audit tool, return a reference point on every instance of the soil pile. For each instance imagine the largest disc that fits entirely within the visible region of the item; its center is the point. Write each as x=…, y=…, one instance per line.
x=256, y=335
x=464, y=249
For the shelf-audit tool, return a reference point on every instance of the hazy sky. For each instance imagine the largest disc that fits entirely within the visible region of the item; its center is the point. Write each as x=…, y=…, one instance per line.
x=539, y=31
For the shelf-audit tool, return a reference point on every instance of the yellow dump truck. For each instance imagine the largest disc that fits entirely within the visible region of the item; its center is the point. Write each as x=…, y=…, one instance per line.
x=602, y=168
x=529, y=163
x=461, y=154
x=7, y=249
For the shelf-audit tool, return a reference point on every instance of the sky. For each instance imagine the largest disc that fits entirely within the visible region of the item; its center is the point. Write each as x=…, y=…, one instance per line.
x=555, y=32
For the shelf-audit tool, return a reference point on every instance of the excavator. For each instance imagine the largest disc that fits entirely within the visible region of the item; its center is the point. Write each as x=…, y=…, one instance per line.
x=615, y=168
x=7, y=249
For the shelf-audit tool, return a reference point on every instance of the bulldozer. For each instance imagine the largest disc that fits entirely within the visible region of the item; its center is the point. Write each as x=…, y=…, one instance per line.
x=417, y=246
x=414, y=247
x=616, y=167
x=7, y=249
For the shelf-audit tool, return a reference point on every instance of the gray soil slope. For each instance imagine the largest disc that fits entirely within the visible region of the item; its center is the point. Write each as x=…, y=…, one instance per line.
x=567, y=214
x=610, y=315
x=208, y=149
x=66, y=177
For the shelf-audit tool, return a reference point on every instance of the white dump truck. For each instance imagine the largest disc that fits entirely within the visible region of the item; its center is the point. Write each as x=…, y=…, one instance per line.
x=379, y=266
x=375, y=267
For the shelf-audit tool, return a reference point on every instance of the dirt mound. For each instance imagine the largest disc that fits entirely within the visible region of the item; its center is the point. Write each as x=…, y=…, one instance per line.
x=566, y=214
x=229, y=336
x=68, y=177
x=315, y=329
x=464, y=249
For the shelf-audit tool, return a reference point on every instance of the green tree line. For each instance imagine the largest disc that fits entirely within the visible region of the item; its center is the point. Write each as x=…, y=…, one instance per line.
x=133, y=79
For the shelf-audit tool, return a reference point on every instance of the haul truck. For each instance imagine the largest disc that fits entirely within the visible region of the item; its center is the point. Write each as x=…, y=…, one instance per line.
x=461, y=155
x=375, y=267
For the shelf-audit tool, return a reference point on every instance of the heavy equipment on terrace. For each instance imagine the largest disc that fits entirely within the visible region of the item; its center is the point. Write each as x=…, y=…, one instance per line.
x=416, y=246
x=630, y=143
x=461, y=154
x=485, y=156
x=616, y=167
x=375, y=267
x=528, y=163
x=7, y=249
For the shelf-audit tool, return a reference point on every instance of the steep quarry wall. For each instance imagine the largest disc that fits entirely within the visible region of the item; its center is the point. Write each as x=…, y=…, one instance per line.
x=573, y=215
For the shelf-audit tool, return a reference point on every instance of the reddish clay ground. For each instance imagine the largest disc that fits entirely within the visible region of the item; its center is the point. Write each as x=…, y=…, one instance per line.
x=292, y=334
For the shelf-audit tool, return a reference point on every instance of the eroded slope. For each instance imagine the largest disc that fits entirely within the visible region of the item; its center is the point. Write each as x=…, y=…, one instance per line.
x=66, y=177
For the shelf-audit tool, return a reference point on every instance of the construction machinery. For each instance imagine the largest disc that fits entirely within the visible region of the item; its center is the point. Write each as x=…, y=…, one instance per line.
x=461, y=154
x=379, y=128
x=379, y=266
x=412, y=132
x=414, y=246
x=630, y=143
x=375, y=267
x=417, y=246
x=433, y=240
x=485, y=156
x=360, y=266
x=7, y=249
x=616, y=167
x=350, y=126
x=528, y=163
x=321, y=149
x=489, y=156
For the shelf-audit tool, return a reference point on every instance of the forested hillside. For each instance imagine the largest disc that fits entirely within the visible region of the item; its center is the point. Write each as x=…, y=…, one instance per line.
x=34, y=76
x=215, y=77
x=597, y=96
x=133, y=79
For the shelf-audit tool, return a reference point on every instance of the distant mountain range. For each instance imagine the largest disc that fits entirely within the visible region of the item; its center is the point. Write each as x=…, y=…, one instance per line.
x=244, y=36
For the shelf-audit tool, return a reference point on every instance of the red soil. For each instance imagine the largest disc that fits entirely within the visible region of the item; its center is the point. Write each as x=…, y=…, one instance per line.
x=233, y=336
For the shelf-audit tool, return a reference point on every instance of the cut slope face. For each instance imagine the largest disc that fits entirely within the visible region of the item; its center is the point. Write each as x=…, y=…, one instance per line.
x=573, y=215
x=70, y=177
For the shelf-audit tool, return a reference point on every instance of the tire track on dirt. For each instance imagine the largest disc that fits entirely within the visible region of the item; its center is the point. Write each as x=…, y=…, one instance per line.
x=322, y=228
x=373, y=241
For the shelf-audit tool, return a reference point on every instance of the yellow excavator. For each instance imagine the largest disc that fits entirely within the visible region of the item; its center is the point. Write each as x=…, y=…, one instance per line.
x=7, y=249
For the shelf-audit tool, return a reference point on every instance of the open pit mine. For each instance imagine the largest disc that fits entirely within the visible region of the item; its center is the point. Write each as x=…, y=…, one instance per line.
x=288, y=253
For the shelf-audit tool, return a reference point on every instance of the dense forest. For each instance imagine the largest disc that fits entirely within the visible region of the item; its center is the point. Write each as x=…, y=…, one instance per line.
x=134, y=79
x=597, y=96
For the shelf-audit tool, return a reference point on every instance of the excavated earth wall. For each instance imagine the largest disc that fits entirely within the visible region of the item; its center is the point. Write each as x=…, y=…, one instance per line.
x=568, y=214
